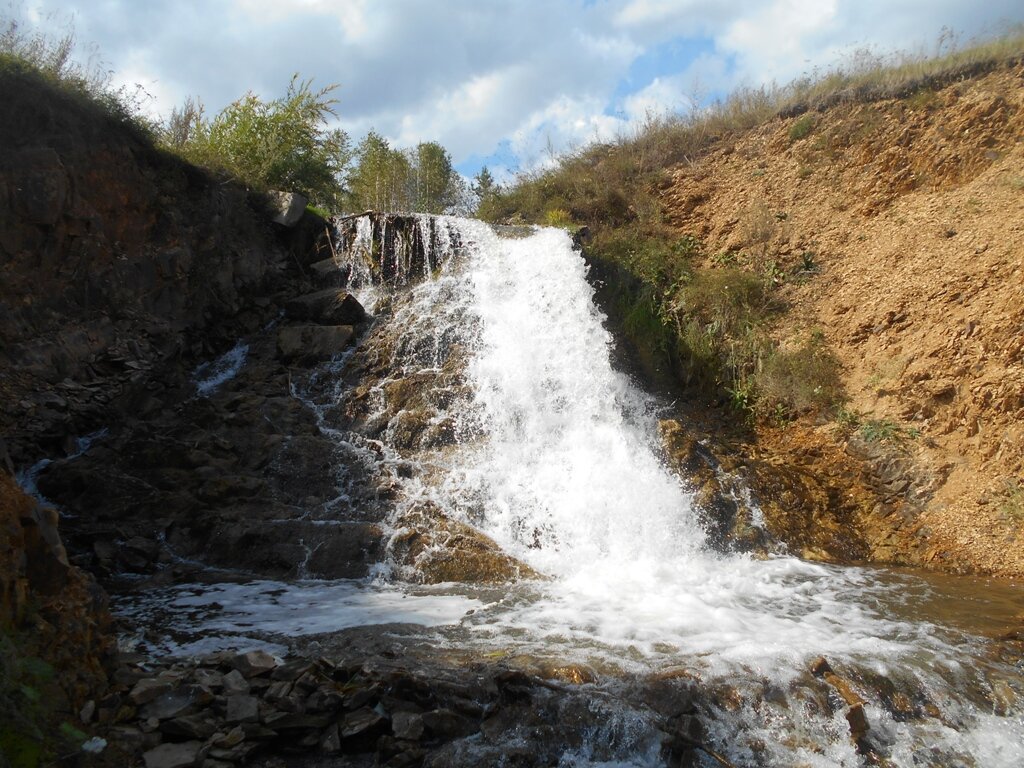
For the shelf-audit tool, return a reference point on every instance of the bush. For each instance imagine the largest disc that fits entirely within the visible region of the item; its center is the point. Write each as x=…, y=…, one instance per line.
x=281, y=144
x=802, y=380
x=801, y=128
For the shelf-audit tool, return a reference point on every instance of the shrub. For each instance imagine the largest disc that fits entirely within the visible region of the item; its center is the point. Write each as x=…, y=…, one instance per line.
x=281, y=144
x=801, y=128
x=558, y=217
x=1012, y=502
x=802, y=380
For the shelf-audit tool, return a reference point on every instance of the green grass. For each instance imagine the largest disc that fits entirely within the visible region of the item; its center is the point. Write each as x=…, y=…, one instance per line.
x=801, y=128
x=886, y=431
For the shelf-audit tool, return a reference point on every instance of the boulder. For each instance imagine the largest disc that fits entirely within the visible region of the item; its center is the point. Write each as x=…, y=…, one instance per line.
x=242, y=709
x=327, y=272
x=180, y=755
x=285, y=208
x=327, y=307
x=306, y=344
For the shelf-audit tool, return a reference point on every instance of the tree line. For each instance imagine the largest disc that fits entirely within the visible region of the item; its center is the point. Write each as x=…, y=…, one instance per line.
x=287, y=143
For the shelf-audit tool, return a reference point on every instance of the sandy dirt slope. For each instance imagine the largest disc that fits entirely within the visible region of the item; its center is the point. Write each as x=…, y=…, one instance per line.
x=910, y=215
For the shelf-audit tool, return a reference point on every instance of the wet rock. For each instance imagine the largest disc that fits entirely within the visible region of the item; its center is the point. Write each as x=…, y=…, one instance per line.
x=254, y=663
x=407, y=725
x=242, y=709
x=181, y=755
x=445, y=724
x=362, y=723
x=327, y=307
x=234, y=682
x=147, y=690
x=307, y=344
x=440, y=549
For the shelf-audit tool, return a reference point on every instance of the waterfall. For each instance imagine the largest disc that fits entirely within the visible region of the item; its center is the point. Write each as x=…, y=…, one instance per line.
x=553, y=454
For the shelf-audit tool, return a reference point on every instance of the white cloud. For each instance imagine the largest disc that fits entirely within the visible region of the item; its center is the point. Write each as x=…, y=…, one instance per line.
x=471, y=75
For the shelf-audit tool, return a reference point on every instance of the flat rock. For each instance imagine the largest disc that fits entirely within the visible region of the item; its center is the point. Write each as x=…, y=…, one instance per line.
x=180, y=755
x=242, y=709
x=362, y=721
x=305, y=344
x=254, y=663
x=234, y=682
x=176, y=703
x=328, y=307
x=147, y=690
x=446, y=724
x=407, y=725
x=189, y=727
x=285, y=208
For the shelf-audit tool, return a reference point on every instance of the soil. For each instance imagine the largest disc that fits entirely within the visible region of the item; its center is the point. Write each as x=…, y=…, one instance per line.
x=895, y=231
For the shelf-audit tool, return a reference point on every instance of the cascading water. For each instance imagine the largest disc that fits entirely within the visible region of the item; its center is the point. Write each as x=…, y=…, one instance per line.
x=564, y=473
x=555, y=457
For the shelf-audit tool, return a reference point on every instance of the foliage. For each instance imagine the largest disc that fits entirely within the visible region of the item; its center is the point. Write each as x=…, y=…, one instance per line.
x=378, y=179
x=387, y=179
x=432, y=177
x=801, y=127
x=801, y=380
x=485, y=189
x=280, y=144
x=27, y=737
x=1012, y=501
x=885, y=431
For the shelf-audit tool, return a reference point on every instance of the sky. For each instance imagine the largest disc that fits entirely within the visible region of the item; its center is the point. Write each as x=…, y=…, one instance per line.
x=506, y=83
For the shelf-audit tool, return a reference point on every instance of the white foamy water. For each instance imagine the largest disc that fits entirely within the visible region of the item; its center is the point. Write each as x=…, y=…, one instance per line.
x=568, y=478
x=209, y=377
x=559, y=464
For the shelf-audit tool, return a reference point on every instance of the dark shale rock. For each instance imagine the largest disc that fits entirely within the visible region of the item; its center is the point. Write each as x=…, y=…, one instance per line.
x=306, y=344
x=327, y=307
x=254, y=663
x=183, y=755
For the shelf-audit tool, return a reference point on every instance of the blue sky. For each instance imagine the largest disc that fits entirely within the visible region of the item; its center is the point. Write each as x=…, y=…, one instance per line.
x=509, y=83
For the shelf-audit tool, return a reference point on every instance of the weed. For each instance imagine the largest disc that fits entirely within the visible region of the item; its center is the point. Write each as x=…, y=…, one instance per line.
x=558, y=217
x=773, y=274
x=802, y=380
x=807, y=261
x=804, y=172
x=847, y=419
x=1017, y=182
x=801, y=128
x=1012, y=503
x=923, y=99
x=741, y=397
x=886, y=431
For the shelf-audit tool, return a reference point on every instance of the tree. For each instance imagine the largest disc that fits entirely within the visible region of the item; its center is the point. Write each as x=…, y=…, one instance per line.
x=380, y=178
x=281, y=144
x=486, y=189
x=433, y=191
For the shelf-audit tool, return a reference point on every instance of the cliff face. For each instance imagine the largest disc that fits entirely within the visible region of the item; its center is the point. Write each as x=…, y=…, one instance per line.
x=894, y=232
x=120, y=268
x=114, y=260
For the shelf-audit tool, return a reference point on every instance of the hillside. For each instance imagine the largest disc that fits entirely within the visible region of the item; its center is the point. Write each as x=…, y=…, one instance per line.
x=896, y=231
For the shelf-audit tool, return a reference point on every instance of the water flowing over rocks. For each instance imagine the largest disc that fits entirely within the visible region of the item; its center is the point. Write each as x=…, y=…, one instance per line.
x=414, y=423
